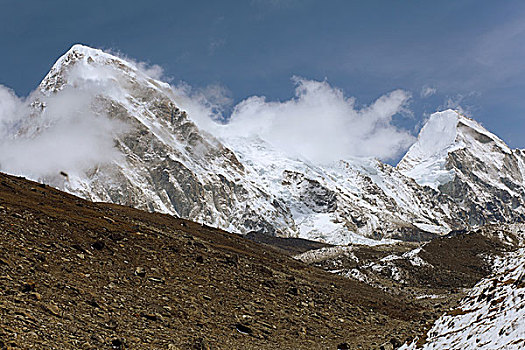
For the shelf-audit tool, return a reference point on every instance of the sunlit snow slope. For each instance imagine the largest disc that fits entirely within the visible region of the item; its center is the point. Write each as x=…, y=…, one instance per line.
x=492, y=315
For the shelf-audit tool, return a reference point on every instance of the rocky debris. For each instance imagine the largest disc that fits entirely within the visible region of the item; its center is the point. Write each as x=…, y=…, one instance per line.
x=117, y=343
x=98, y=245
x=437, y=273
x=489, y=317
x=52, y=309
x=242, y=295
x=28, y=286
x=392, y=344
x=140, y=271
x=386, y=346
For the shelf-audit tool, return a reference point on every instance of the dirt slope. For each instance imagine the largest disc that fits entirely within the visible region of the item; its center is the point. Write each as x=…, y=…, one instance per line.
x=82, y=275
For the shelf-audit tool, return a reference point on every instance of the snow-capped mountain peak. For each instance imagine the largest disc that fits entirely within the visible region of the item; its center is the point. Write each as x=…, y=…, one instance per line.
x=84, y=65
x=425, y=160
x=444, y=133
x=168, y=164
x=460, y=158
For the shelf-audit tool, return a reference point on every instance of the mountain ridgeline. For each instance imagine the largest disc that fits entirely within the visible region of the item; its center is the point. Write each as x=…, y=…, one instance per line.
x=456, y=176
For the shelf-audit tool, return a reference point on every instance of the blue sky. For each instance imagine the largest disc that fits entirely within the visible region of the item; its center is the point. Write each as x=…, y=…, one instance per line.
x=445, y=53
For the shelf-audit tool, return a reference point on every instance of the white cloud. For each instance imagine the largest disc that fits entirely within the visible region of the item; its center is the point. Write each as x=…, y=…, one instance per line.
x=319, y=123
x=152, y=70
x=69, y=135
x=205, y=106
x=10, y=109
x=427, y=91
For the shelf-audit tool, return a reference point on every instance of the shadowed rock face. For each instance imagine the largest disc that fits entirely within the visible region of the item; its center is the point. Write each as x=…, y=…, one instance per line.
x=487, y=176
x=169, y=165
x=489, y=185
x=310, y=192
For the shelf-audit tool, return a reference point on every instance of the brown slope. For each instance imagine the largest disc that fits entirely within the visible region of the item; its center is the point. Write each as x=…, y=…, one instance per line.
x=82, y=275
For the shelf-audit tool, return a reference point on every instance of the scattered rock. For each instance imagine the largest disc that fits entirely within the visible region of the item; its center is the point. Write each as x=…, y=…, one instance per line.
x=201, y=344
x=396, y=342
x=52, y=309
x=28, y=286
x=149, y=316
x=386, y=346
x=156, y=279
x=140, y=271
x=98, y=245
x=293, y=291
x=243, y=329
x=117, y=343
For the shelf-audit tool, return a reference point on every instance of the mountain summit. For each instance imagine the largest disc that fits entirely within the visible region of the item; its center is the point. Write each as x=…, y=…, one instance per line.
x=460, y=158
x=456, y=175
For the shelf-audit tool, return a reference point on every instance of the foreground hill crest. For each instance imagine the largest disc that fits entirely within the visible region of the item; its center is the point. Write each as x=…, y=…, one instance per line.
x=167, y=164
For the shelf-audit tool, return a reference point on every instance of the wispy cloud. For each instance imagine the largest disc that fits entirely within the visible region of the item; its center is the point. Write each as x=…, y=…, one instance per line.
x=215, y=44
x=500, y=52
x=152, y=70
x=459, y=102
x=320, y=123
x=427, y=91
x=69, y=135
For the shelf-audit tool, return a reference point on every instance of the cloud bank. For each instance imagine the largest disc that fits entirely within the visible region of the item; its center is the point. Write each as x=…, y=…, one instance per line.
x=69, y=135
x=319, y=123
x=72, y=134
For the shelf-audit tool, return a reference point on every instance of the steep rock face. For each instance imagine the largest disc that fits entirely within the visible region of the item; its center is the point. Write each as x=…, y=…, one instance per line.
x=451, y=178
x=169, y=165
x=472, y=166
x=357, y=200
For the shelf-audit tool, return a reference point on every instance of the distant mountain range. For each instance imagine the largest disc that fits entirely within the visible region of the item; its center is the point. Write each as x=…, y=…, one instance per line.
x=456, y=176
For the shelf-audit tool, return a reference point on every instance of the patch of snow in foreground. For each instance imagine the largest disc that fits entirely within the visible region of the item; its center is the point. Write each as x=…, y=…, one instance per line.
x=492, y=316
